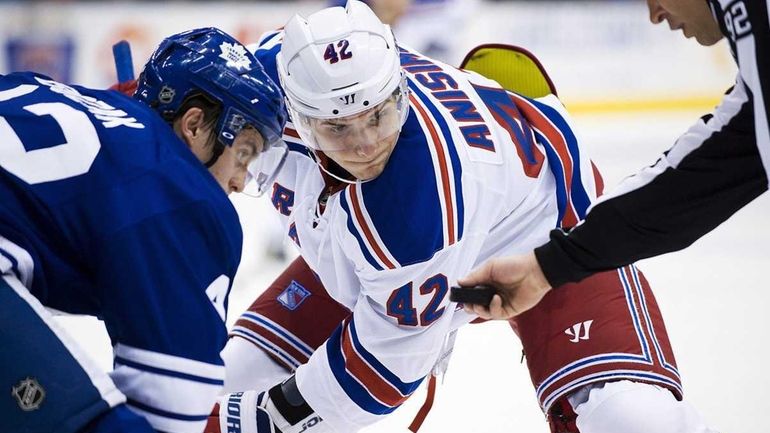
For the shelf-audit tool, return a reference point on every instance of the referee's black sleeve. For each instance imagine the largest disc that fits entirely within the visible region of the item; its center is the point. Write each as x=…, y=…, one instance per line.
x=712, y=171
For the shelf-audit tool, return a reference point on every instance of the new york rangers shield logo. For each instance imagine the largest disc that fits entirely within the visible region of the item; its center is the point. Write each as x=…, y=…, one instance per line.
x=29, y=394
x=293, y=296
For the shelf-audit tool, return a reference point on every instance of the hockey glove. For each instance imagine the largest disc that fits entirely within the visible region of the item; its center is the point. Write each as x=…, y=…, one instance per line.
x=279, y=410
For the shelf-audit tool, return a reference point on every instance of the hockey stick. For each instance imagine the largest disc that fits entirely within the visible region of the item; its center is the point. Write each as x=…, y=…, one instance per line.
x=124, y=65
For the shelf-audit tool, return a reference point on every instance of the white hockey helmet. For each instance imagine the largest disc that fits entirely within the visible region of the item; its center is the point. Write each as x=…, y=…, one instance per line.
x=338, y=63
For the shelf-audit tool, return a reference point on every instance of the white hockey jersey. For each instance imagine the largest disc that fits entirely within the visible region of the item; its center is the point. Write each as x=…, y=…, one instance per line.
x=476, y=172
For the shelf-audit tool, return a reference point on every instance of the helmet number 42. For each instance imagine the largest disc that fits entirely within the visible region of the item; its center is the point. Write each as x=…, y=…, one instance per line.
x=334, y=55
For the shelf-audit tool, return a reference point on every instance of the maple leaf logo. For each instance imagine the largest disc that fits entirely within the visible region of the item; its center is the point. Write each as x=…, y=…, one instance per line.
x=235, y=54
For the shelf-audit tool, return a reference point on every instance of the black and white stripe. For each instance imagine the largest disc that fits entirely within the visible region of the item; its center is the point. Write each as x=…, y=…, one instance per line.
x=753, y=56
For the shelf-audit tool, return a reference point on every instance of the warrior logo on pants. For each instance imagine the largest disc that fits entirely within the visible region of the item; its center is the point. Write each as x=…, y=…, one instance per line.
x=575, y=331
x=29, y=394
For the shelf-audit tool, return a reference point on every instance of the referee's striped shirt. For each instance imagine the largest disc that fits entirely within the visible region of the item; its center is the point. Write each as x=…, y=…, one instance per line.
x=712, y=170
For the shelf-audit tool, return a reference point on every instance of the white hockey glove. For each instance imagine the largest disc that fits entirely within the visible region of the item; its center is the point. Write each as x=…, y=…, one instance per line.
x=279, y=410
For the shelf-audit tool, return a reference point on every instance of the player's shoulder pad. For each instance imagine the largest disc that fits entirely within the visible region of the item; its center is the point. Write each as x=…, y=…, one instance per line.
x=415, y=207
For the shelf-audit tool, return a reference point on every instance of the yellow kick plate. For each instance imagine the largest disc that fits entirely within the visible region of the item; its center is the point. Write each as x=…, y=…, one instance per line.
x=514, y=68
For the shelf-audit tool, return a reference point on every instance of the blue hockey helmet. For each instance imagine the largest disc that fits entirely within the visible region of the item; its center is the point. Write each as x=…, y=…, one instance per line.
x=211, y=63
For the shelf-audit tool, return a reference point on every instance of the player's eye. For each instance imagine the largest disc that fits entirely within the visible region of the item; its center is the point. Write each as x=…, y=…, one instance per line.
x=337, y=129
x=243, y=156
x=374, y=120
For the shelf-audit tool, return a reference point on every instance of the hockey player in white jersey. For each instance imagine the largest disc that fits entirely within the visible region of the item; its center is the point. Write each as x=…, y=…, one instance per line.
x=403, y=174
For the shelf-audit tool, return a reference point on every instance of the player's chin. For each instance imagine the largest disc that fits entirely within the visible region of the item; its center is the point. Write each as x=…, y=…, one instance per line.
x=369, y=171
x=365, y=170
x=708, y=40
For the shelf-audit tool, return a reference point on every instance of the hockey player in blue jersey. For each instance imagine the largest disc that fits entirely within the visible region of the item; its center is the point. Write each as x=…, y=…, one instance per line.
x=107, y=209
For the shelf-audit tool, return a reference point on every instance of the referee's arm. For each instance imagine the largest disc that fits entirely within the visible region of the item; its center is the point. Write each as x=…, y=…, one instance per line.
x=713, y=170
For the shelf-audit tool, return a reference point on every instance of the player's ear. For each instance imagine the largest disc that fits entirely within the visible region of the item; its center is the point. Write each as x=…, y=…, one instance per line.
x=193, y=130
x=189, y=125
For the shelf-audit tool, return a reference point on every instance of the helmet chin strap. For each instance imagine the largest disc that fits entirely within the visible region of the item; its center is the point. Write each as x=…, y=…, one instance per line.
x=219, y=148
x=327, y=171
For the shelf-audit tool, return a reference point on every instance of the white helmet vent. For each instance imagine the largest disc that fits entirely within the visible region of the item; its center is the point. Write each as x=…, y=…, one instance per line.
x=344, y=87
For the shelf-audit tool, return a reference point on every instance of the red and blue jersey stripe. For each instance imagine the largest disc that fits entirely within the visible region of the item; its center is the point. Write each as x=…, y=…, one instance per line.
x=563, y=154
x=447, y=162
x=415, y=207
x=368, y=383
x=362, y=228
x=524, y=118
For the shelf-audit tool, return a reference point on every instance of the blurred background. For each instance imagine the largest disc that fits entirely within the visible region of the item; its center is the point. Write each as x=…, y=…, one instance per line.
x=632, y=89
x=603, y=55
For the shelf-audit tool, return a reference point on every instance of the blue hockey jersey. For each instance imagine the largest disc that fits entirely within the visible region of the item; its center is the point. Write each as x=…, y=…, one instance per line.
x=105, y=212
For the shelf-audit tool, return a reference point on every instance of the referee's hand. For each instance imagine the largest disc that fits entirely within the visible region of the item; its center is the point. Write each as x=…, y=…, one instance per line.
x=519, y=281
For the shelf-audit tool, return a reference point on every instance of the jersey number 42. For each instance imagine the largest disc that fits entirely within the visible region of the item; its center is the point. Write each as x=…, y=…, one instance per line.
x=401, y=302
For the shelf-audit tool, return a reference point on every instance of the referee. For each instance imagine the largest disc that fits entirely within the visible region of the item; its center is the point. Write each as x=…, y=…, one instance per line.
x=712, y=171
